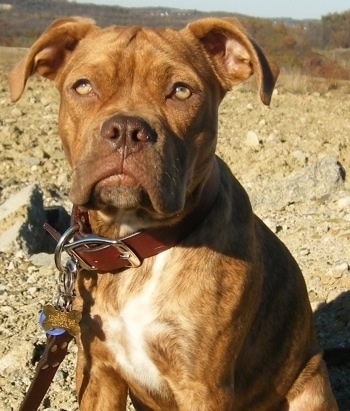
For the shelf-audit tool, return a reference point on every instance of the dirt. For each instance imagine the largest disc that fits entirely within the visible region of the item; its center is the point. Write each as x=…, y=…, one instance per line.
x=265, y=147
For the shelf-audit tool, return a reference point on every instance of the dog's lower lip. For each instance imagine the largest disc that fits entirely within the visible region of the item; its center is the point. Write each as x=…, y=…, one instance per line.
x=118, y=180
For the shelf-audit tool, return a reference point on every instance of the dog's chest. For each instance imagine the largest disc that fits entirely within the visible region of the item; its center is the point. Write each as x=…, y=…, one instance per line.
x=126, y=334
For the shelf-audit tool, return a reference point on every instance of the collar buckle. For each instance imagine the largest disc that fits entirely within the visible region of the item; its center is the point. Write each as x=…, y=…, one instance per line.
x=91, y=243
x=126, y=253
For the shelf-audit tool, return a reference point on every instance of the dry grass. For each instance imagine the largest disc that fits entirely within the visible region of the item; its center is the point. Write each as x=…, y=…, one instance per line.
x=298, y=83
x=9, y=56
x=295, y=82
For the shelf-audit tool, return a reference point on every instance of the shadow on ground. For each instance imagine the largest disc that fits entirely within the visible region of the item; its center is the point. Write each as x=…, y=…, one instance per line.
x=333, y=328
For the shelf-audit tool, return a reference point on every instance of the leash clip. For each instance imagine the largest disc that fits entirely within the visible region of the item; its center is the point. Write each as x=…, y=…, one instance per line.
x=67, y=272
x=62, y=243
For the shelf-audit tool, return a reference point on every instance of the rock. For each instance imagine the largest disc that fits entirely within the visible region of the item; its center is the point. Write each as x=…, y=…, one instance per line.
x=16, y=112
x=271, y=224
x=16, y=201
x=14, y=214
x=32, y=291
x=8, y=237
x=42, y=259
x=32, y=235
x=304, y=251
x=315, y=181
x=343, y=202
x=340, y=270
x=22, y=217
x=252, y=139
x=300, y=156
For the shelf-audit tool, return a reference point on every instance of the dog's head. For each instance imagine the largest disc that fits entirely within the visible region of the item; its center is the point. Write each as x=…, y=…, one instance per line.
x=138, y=114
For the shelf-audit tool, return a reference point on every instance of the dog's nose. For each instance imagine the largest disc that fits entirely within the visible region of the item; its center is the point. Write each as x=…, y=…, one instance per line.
x=127, y=131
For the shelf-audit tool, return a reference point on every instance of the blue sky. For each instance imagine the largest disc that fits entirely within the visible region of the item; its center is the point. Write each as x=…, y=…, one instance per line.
x=298, y=9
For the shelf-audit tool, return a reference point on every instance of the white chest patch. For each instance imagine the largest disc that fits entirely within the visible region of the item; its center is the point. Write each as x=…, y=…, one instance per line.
x=125, y=335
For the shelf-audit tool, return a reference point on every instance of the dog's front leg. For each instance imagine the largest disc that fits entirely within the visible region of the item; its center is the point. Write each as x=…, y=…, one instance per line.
x=195, y=397
x=99, y=386
x=203, y=398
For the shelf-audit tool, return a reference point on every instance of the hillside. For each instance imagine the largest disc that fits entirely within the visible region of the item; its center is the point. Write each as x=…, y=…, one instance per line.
x=25, y=20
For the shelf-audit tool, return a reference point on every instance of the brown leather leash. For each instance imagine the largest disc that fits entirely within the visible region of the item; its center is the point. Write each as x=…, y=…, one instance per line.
x=55, y=351
x=90, y=252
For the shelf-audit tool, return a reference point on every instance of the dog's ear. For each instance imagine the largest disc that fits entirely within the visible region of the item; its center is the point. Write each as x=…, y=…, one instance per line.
x=234, y=55
x=49, y=52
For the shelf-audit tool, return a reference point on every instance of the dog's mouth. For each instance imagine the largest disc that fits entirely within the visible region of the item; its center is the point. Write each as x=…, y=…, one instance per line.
x=106, y=187
x=116, y=180
x=110, y=185
x=119, y=191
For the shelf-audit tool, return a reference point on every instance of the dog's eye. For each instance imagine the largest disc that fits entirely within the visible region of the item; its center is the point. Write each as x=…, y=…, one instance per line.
x=83, y=88
x=181, y=92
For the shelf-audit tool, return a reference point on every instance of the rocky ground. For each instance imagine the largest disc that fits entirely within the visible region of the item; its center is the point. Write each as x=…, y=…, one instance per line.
x=292, y=158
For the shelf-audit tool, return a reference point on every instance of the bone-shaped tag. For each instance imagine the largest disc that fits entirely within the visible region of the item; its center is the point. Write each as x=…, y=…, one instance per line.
x=65, y=320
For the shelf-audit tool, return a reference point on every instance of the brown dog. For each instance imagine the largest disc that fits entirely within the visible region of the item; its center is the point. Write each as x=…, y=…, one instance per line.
x=217, y=315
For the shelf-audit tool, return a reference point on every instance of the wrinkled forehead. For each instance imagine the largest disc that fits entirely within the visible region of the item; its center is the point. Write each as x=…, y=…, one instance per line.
x=139, y=42
x=135, y=48
x=139, y=38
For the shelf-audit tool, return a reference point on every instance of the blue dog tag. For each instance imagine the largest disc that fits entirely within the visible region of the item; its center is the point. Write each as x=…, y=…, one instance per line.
x=52, y=331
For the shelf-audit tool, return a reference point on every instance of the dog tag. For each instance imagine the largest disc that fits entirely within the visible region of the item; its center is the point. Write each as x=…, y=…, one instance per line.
x=56, y=322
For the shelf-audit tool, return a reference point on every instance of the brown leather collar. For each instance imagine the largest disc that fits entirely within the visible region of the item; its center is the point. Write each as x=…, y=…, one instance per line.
x=97, y=253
